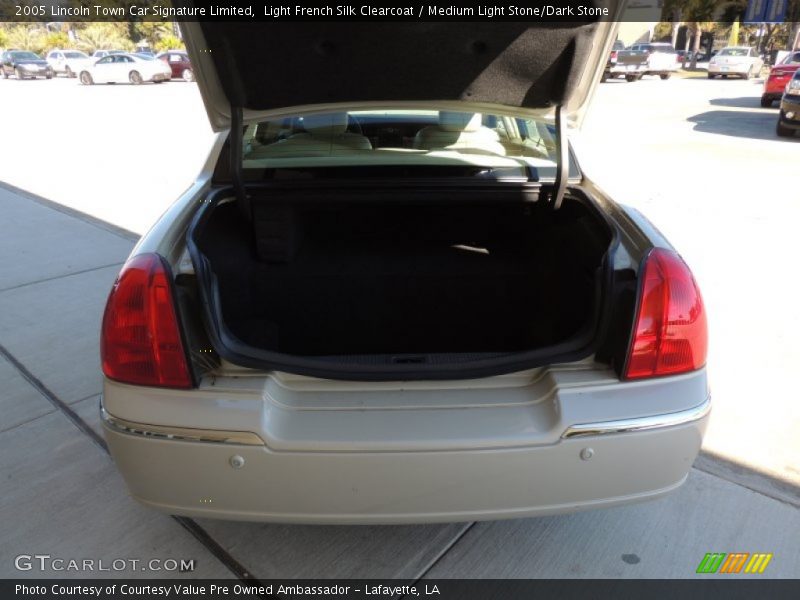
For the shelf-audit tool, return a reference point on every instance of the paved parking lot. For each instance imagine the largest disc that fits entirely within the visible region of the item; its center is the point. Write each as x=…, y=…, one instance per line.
x=701, y=159
x=698, y=157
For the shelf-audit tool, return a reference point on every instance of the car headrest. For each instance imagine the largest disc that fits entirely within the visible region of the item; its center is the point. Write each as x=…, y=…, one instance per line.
x=325, y=124
x=459, y=121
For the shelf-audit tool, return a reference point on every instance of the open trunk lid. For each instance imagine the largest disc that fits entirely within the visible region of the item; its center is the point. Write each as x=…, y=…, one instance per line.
x=262, y=68
x=249, y=73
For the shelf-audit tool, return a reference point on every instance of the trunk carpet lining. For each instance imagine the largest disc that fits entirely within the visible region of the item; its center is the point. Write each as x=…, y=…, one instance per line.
x=360, y=280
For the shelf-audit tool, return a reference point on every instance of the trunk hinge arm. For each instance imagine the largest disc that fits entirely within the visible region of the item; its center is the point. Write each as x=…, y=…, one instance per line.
x=236, y=160
x=556, y=197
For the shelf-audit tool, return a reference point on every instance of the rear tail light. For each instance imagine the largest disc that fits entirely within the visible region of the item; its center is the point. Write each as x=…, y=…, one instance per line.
x=614, y=55
x=670, y=334
x=140, y=341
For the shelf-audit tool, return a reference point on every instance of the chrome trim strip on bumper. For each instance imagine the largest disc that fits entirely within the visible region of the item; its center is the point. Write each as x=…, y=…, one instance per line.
x=641, y=423
x=247, y=438
x=187, y=434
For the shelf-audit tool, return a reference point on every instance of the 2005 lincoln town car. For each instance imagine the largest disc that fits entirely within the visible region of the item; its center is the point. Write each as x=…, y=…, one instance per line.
x=393, y=296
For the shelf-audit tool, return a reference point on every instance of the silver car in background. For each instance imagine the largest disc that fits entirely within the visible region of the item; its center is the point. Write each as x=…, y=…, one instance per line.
x=740, y=61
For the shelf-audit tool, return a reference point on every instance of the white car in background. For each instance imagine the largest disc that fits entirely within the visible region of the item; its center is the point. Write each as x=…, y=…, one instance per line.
x=126, y=68
x=741, y=61
x=69, y=62
x=102, y=53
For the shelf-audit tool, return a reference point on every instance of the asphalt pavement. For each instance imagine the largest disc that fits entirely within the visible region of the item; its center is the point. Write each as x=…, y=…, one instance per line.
x=695, y=155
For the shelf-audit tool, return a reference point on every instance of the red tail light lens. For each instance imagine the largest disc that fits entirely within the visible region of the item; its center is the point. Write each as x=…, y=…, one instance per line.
x=614, y=54
x=670, y=335
x=140, y=342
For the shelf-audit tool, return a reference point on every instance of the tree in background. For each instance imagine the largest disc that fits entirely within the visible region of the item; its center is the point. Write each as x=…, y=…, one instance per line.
x=26, y=37
x=701, y=15
x=152, y=32
x=102, y=36
x=662, y=32
x=169, y=42
x=89, y=36
x=56, y=39
x=717, y=16
x=33, y=37
x=793, y=16
x=136, y=30
x=675, y=11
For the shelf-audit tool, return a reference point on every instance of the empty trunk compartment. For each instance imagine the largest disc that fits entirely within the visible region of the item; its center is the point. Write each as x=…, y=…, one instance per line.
x=384, y=285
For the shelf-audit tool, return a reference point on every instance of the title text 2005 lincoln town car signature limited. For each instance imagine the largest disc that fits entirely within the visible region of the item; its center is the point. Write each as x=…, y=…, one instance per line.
x=393, y=296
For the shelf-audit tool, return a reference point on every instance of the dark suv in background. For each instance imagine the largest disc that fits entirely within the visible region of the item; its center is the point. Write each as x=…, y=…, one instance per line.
x=789, y=116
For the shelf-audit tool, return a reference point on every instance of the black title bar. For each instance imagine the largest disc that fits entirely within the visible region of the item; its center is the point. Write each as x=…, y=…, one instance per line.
x=707, y=587
x=48, y=11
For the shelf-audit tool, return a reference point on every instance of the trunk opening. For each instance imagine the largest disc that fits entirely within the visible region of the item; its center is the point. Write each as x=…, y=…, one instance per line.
x=380, y=284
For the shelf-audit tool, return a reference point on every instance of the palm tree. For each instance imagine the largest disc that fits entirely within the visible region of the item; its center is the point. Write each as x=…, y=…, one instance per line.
x=97, y=36
x=701, y=13
x=152, y=32
x=793, y=16
x=675, y=10
x=25, y=36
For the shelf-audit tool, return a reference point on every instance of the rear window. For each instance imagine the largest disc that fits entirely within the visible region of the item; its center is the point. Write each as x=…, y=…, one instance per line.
x=497, y=144
x=659, y=48
x=23, y=56
x=75, y=55
x=792, y=59
x=734, y=52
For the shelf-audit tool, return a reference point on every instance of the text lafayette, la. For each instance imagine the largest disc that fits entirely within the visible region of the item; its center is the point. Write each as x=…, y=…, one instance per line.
x=189, y=590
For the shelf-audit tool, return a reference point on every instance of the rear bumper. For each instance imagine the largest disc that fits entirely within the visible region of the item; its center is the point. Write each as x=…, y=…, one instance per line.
x=627, y=69
x=775, y=91
x=36, y=72
x=663, y=68
x=232, y=475
x=729, y=69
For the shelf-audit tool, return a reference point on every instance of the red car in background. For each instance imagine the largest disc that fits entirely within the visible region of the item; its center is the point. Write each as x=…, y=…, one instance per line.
x=179, y=62
x=779, y=76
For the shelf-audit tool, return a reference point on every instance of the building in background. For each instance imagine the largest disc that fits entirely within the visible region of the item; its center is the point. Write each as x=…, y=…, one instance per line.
x=640, y=20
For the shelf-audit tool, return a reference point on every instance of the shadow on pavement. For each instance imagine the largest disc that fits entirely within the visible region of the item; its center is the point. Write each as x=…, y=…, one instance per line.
x=756, y=81
x=80, y=215
x=413, y=551
x=743, y=102
x=738, y=123
x=750, y=477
